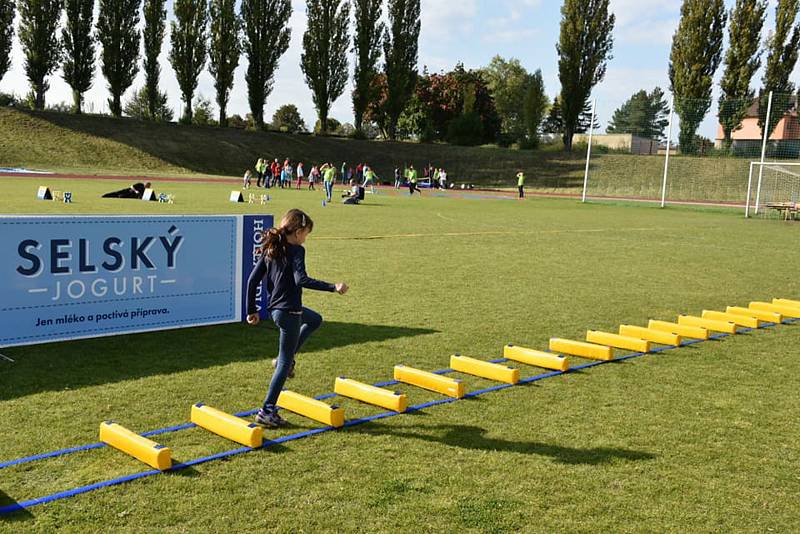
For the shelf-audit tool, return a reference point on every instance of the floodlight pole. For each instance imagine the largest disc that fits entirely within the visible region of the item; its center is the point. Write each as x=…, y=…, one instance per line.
x=763, y=151
x=589, y=152
x=669, y=146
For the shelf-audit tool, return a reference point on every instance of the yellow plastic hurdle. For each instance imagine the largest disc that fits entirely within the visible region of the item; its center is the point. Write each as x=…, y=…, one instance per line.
x=141, y=448
x=489, y=370
x=618, y=341
x=430, y=381
x=311, y=408
x=579, y=348
x=738, y=320
x=650, y=334
x=535, y=358
x=716, y=326
x=787, y=302
x=390, y=400
x=787, y=311
x=227, y=425
x=766, y=316
x=694, y=332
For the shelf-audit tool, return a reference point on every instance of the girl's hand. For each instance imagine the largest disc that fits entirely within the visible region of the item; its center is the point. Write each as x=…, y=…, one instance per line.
x=341, y=288
x=253, y=319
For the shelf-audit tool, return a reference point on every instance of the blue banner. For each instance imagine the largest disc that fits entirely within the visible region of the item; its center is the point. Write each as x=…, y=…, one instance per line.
x=75, y=277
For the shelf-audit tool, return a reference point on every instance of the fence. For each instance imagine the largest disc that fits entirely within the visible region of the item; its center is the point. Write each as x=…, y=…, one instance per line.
x=651, y=150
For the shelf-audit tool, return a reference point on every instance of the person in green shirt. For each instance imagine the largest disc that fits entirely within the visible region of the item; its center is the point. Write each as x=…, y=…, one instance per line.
x=521, y=184
x=412, y=181
x=328, y=176
x=369, y=178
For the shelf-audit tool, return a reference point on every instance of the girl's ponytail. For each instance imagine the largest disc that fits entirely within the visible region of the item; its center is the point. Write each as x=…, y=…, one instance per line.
x=273, y=245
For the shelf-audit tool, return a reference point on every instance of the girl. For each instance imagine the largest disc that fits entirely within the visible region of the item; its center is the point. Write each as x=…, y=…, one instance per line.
x=282, y=265
x=300, y=174
x=247, y=177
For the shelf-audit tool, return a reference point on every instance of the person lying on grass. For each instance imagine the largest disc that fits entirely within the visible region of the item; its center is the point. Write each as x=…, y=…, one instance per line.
x=282, y=265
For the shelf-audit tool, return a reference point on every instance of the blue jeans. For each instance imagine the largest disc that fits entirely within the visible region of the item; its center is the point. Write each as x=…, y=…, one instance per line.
x=328, y=190
x=295, y=328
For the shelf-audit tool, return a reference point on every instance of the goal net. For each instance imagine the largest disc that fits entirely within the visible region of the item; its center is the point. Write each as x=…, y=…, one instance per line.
x=773, y=187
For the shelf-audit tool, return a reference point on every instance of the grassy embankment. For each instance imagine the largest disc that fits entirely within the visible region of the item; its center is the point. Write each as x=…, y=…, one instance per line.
x=103, y=145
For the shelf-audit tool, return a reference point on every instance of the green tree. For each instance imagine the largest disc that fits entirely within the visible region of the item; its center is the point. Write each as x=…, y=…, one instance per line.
x=367, y=47
x=38, y=22
x=203, y=112
x=266, y=38
x=695, y=57
x=117, y=32
x=553, y=123
x=331, y=126
x=155, y=16
x=287, y=118
x=534, y=108
x=400, y=51
x=509, y=82
x=584, y=47
x=79, y=45
x=139, y=106
x=224, y=51
x=6, y=34
x=782, y=49
x=643, y=114
x=324, y=57
x=189, y=48
x=742, y=60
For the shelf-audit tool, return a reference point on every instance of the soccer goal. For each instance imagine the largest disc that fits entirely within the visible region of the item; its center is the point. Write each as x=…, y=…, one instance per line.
x=776, y=186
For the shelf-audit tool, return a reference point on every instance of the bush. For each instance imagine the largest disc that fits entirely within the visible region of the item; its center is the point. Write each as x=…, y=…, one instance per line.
x=236, y=121
x=8, y=99
x=287, y=119
x=137, y=107
x=466, y=130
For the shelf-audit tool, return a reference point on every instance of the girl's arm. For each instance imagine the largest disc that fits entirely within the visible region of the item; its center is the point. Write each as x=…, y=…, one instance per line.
x=302, y=279
x=256, y=275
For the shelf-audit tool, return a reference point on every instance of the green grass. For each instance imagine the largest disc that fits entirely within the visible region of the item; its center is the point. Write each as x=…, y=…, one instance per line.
x=82, y=144
x=700, y=439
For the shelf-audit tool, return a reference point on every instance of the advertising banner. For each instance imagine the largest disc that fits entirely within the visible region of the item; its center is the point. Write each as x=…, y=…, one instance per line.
x=76, y=277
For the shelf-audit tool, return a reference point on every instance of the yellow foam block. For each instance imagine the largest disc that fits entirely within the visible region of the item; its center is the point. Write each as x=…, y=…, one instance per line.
x=708, y=324
x=432, y=381
x=738, y=320
x=139, y=447
x=766, y=316
x=618, y=341
x=370, y=394
x=579, y=348
x=492, y=371
x=650, y=334
x=786, y=311
x=787, y=302
x=536, y=358
x=694, y=332
x=311, y=408
x=227, y=425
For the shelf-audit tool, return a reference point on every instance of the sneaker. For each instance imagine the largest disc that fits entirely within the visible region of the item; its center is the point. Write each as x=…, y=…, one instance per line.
x=270, y=420
x=291, y=369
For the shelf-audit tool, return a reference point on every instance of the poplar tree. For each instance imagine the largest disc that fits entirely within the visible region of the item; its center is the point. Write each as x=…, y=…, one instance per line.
x=118, y=34
x=266, y=38
x=534, y=108
x=189, y=41
x=79, y=46
x=369, y=33
x=155, y=20
x=742, y=60
x=400, y=51
x=584, y=47
x=781, y=58
x=224, y=51
x=324, y=57
x=6, y=34
x=695, y=57
x=38, y=22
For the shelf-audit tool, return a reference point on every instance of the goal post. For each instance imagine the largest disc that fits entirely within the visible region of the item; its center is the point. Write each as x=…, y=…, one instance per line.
x=776, y=184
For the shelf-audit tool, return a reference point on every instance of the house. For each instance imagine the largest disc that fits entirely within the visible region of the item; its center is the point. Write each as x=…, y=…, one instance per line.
x=748, y=137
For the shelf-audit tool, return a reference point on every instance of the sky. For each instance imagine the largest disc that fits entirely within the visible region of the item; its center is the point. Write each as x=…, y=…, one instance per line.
x=467, y=31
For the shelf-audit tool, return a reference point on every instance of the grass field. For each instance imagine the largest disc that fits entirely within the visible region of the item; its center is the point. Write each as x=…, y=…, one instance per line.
x=699, y=439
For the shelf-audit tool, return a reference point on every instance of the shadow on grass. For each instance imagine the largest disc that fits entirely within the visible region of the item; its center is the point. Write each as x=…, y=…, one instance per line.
x=473, y=437
x=21, y=515
x=90, y=362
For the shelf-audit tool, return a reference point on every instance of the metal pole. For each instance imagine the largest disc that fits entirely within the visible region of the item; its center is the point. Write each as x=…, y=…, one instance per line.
x=669, y=146
x=763, y=152
x=749, y=189
x=589, y=152
x=6, y=358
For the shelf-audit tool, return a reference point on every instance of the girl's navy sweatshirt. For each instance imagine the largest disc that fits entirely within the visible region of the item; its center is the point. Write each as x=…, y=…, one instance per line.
x=285, y=280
